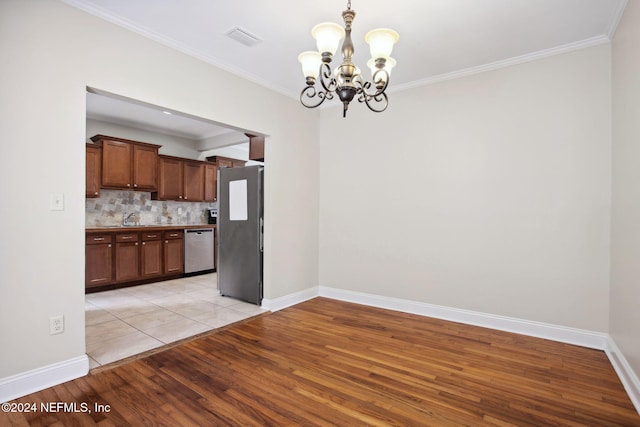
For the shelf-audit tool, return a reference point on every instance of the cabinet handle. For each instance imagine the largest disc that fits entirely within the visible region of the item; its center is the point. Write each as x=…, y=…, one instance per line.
x=136, y=243
x=128, y=185
x=143, y=243
x=179, y=197
x=185, y=197
x=127, y=237
x=166, y=241
x=135, y=185
x=98, y=239
x=96, y=193
x=109, y=245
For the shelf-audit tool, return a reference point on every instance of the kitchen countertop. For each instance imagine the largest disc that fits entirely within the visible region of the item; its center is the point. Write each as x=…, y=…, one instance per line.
x=133, y=228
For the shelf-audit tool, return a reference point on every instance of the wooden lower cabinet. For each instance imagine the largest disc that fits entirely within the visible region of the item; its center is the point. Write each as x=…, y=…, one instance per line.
x=98, y=260
x=173, y=252
x=151, y=254
x=127, y=258
x=118, y=258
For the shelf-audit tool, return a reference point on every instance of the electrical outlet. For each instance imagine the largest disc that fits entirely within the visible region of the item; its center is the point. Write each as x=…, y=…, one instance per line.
x=56, y=325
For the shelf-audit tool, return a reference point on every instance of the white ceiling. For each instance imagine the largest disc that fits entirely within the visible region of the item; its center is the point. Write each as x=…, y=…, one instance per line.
x=113, y=109
x=439, y=39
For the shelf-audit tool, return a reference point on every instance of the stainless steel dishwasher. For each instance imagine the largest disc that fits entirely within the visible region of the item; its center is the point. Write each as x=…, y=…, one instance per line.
x=198, y=250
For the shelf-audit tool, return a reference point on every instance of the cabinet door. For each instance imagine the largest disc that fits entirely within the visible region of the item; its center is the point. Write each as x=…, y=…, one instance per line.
x=193, y=181
x=256, y=148
x=127, y=261
x=98, y=265
x=169, y=179
x=173, y=256
x=93, y=167
x=145, y=167
x=116, y=164
x=210, y=182
x=224, y=162
x=151, y=258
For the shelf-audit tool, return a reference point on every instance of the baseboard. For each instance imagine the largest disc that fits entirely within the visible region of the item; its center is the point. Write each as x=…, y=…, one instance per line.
x=289, y=300
x=563, y=334
x=626, y=374
x=38, y=379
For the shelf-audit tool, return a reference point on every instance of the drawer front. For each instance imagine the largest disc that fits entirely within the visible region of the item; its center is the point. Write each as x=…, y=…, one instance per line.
x=175, y=234
x=99, y=239
x=150, y=235
x=128, y=237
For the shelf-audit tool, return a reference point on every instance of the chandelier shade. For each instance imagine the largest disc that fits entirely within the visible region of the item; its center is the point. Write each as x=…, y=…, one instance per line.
x=345, y=81
x=311, y=61
x=328, y=36
x=381, y=41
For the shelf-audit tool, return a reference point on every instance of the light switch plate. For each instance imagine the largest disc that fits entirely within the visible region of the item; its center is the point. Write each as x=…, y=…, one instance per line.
x=56, y=202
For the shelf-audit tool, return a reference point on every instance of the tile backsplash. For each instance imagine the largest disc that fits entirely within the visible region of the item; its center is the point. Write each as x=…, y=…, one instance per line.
x=113, y=205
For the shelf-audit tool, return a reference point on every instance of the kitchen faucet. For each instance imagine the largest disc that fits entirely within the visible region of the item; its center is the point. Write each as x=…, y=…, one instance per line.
x=126, y=218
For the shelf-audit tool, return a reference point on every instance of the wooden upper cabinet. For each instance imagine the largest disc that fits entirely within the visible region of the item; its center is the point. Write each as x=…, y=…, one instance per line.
x=127, y=164
x=226, y=162
x=145, y=166
x=210, y=182
x=116, y=164
x=169, y=178
x=180, y=179
x=256, y=147
x=193, y=181
x=94, y=169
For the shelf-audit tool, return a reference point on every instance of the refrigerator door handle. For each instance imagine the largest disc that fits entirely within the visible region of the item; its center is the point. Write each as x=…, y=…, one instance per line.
x=261, y=234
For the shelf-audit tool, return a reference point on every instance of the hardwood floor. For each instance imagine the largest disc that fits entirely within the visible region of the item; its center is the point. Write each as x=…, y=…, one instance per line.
x=326, y=362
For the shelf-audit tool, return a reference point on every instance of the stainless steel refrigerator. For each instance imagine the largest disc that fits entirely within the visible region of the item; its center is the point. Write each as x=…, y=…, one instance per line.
x=240, y=232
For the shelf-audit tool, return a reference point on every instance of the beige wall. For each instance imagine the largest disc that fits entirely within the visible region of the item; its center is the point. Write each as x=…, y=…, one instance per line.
x=488, y=193
x=50, y=53
x=625, y=234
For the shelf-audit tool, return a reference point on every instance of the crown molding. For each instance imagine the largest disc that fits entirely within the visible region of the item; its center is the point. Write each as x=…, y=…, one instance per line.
x=569, y=47
x=217, y=62
x=615, y=19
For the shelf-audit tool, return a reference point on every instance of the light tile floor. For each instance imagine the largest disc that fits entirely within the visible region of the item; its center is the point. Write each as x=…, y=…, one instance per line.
x=129, y=321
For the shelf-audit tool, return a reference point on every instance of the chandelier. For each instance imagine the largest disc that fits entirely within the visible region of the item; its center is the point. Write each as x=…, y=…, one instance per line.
x=346, y=80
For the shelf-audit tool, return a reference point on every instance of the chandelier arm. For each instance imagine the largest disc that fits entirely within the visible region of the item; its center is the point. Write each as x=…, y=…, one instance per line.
x=310, y=93
x=380, y=82
x=378, y=98
x=373, y=99
x=327, y=80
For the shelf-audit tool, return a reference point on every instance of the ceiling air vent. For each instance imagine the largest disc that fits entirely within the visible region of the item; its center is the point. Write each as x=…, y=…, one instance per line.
x=243, y=36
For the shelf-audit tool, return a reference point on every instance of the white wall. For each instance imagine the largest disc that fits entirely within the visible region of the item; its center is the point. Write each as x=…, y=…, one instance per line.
x=625, y=234
x=488, y=193
x=50, y=53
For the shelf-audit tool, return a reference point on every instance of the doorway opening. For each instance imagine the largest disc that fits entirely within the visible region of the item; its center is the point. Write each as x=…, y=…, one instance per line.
x=123, y=322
